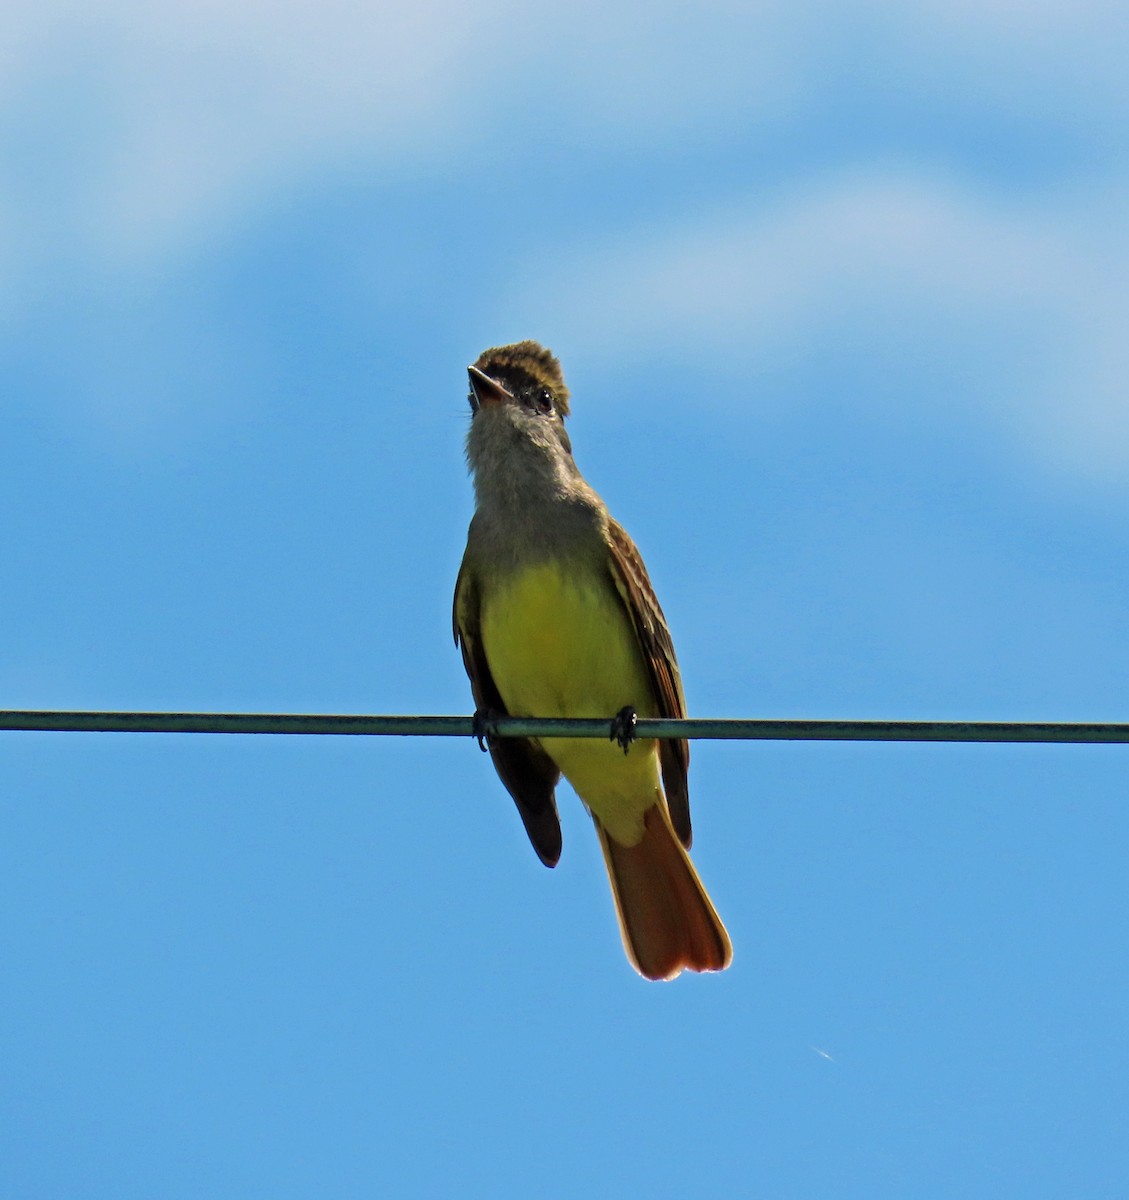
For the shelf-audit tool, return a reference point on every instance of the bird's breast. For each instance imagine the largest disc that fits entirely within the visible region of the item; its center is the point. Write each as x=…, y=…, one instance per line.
x=560, y=642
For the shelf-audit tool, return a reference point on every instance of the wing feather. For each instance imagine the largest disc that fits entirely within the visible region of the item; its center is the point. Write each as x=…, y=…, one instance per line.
x=634, y=585
x=529, y=774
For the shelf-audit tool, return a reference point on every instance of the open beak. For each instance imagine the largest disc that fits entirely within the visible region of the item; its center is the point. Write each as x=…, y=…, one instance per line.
x=486, y=391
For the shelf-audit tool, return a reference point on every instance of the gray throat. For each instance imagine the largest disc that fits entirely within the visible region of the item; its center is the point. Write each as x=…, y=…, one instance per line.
x=531, y=502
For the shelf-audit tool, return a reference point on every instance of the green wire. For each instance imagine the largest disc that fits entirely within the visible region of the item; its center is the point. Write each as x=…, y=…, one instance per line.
x=732, y=730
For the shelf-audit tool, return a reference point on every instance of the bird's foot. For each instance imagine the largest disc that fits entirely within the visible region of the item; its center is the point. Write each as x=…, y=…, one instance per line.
x=481, y=727
x=623, y=727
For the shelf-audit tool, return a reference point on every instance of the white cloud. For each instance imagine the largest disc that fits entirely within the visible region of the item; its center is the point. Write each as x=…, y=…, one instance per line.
x=129, y=131
x=149, y=120
x=1034, y=299
x=139, y=121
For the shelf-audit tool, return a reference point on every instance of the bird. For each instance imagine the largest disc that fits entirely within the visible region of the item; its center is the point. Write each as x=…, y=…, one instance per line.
x=555, y=616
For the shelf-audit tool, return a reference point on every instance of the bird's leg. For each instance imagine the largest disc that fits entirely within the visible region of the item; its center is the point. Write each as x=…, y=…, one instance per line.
x=481, y=728
x=623, y=727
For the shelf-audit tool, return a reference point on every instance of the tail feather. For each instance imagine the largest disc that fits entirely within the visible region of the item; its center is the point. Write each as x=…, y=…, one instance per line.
x=665, y=916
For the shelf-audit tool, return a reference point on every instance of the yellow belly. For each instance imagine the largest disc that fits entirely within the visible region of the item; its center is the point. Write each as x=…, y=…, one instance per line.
x=561, y=644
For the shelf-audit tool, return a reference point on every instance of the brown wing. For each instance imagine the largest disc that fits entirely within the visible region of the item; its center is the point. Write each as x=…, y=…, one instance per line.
x=634, y=586
x=529, y=774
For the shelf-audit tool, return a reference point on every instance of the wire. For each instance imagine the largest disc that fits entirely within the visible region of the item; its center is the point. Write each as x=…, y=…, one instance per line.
x=731, y=730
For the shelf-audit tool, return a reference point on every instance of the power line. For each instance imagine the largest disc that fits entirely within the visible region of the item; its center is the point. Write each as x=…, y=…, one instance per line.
x=438, y=726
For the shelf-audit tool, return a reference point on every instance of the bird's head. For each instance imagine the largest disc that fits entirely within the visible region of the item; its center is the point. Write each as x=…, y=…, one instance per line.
x=518, y=401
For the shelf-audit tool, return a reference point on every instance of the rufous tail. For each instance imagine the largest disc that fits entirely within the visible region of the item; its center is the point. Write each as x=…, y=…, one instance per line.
x=665, y=916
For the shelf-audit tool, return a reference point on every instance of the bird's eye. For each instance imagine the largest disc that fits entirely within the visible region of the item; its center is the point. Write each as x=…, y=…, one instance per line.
x=543, y=401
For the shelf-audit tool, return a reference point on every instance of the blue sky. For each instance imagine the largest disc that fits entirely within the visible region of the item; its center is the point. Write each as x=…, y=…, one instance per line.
x=841, y=296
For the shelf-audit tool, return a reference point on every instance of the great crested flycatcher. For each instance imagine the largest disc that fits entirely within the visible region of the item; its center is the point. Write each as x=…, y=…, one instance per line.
x=556, y=617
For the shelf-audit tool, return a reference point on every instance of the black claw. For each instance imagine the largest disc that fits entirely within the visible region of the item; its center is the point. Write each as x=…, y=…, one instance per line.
x=623, y=727
x=480, y=730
